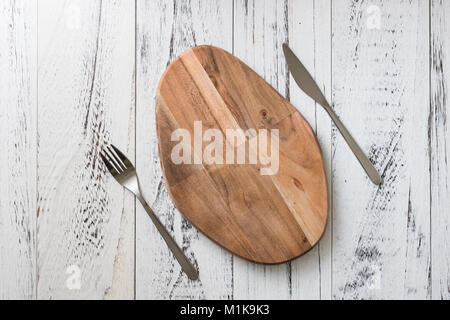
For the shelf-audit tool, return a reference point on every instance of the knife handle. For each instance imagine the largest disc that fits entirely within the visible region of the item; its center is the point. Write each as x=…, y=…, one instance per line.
x=360, y=155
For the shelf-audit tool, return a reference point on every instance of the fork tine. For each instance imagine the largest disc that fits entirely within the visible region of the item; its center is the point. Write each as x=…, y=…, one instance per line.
x=112, y=160
x=122, y=157
x=108, y=165
x=116, y=158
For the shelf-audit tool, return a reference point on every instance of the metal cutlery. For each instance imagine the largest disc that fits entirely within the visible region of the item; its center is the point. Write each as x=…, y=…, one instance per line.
x=306, y=82
x=125, y=173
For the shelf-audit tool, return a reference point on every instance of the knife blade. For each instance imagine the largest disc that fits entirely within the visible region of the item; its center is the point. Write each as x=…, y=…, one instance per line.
x=306, y=82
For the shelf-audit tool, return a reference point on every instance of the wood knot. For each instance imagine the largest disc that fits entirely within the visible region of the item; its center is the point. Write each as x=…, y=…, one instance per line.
x=298, y=184
x=213, y=79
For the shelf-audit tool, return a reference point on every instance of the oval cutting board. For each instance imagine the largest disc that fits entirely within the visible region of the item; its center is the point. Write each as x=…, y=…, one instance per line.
x=265, y=218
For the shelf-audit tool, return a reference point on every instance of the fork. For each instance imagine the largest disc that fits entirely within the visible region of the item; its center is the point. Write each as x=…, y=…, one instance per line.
x=125, y=173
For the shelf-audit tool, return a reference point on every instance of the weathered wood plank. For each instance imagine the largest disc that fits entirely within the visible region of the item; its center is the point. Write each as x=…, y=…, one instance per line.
x=381, y=235
x=18, y=149
x=164, y=30
x=310, y=38
x=440, y=148
x=260, y=29
x=85, y=99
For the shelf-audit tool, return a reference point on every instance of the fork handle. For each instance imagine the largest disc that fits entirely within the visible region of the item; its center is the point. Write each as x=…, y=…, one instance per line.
x=184, y=262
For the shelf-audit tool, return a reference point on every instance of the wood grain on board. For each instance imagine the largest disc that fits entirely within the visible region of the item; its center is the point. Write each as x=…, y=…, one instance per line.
x=17, y=149
x=268, y=217
x=164, y=30
x=440, y=149
x=381, y=235
x=86, y=99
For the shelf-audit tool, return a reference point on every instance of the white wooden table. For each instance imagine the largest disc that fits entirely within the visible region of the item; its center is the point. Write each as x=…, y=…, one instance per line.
x=77, y=74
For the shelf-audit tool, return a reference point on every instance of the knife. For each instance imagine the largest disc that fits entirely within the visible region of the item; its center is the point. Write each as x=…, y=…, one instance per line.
x=306, y=82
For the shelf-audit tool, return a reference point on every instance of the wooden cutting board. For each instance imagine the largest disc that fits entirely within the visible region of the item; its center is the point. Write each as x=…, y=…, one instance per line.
x=266, y=218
